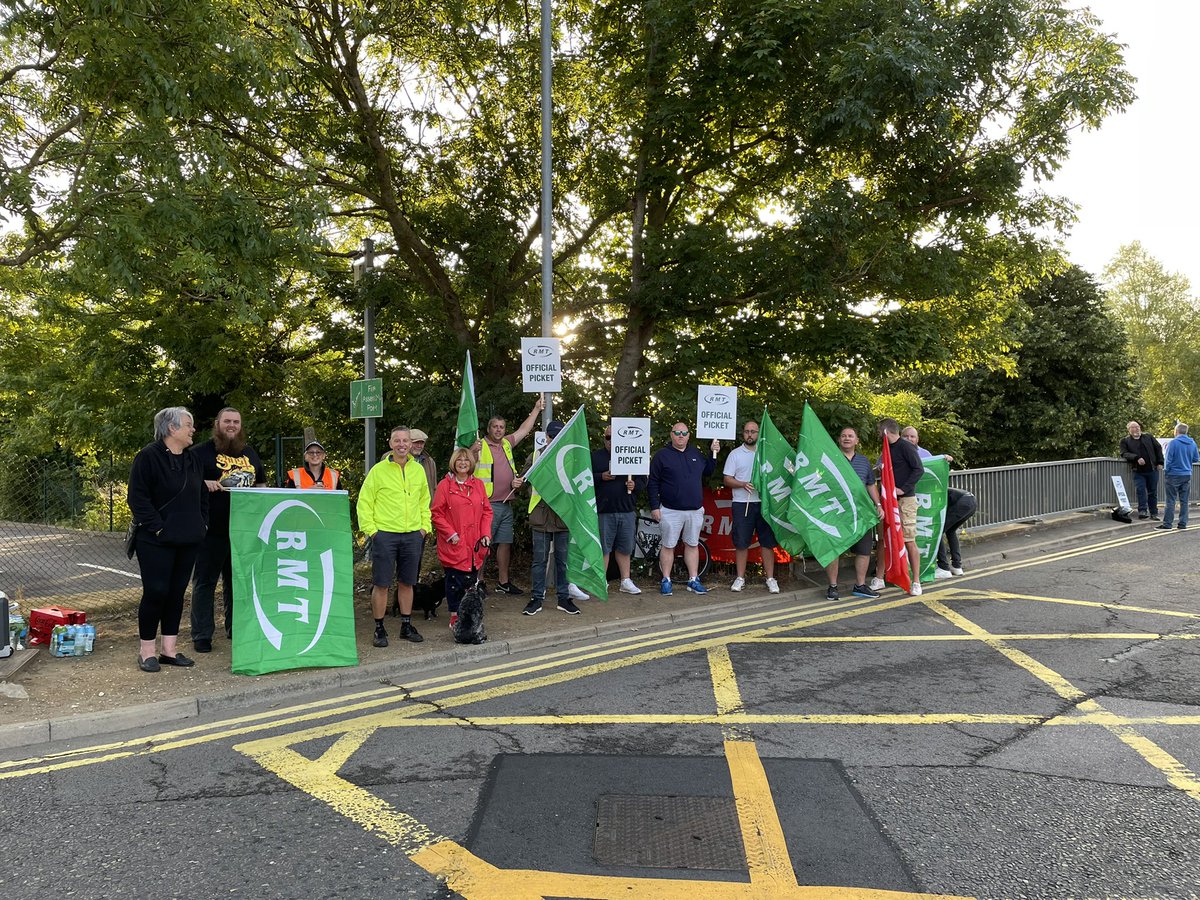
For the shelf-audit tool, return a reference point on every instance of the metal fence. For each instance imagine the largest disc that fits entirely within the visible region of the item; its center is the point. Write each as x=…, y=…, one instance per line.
x=1022, y=493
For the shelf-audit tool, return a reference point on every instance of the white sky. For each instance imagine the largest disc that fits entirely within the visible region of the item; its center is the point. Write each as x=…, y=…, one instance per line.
x=1134, y=179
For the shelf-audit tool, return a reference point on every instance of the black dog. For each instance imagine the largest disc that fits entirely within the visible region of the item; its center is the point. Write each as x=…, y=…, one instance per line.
x=469, y=627
x=426, y=597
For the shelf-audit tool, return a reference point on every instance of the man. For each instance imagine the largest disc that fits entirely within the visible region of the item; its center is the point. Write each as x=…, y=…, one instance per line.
x=616, y=509
x=314, y=474
x=676, y=490
x=907, y=470
x=548, y=528
x=910, y=434
x=227, y=461
x=960, y=506
x=1144, y=454
x=427, y=462
x=848, y=442
x=393, y=511
x=748, y=519
x=1177, y=473
x=495, y=468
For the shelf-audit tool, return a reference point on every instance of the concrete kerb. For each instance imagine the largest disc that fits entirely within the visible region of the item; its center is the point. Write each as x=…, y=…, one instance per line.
x=167, y=711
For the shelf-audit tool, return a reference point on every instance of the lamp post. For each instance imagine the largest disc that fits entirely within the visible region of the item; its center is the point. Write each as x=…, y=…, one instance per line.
x=547, y=199
x=364, y=264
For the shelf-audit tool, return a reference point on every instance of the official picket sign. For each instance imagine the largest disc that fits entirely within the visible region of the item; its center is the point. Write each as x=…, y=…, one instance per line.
x=716, y=412
x=541, y=365
x=293, y=580
x=630, y=447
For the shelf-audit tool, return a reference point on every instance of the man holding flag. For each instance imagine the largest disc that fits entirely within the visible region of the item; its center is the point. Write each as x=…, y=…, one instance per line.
x=902, y=469
x=848, y=444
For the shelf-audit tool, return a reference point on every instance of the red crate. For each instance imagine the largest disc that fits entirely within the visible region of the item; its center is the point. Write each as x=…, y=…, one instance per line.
x=42, y=622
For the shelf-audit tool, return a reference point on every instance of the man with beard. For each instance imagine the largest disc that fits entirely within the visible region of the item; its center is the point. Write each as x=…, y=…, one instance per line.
x=227, y=461
x=748, y=519
x=1145, y=455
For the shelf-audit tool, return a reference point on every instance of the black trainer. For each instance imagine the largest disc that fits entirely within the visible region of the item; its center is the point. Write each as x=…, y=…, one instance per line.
x=832, y=593
x=532, y=608
x=380, y=636
x=862, y=590
x=568, y=606
x=507, y=587
x=409, y=632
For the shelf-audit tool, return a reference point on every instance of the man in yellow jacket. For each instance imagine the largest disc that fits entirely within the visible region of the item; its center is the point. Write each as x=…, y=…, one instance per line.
x=393, y=510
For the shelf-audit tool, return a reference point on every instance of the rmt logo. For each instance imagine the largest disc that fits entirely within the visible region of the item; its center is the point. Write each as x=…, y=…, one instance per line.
x=541, y=351
x=631, y=432
x=717, y=400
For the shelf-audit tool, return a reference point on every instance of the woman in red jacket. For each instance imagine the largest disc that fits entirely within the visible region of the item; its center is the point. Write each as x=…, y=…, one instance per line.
x=462, y=517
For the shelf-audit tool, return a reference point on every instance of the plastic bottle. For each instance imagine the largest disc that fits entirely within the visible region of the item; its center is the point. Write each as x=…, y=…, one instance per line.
x=56, y=640
x=89, y=638
x=80, y=640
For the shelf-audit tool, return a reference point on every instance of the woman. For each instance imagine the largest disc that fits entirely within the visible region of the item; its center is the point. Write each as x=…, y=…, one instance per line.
x=314, y=473
x=169, y=501
x=462, y=517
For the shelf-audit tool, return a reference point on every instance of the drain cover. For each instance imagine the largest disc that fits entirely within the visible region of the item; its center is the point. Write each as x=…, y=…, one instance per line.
x=668, y=832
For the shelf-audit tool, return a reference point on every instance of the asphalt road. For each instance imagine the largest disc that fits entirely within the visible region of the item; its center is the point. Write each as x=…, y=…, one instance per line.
x=1027, y=731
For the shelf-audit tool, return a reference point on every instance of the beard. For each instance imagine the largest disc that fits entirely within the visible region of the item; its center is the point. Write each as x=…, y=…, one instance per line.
x=230, y=446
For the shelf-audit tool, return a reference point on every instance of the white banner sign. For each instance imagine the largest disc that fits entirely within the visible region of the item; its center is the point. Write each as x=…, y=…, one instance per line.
x=541, y=365
x=716, y=412
x=630, y=447
x=1119, y=487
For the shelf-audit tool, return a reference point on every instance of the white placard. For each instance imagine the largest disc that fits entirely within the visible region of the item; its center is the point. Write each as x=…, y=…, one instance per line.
x=630, y=447
x=541, y=365
x=539, y=441
x=716, y=412
x=1119, y=487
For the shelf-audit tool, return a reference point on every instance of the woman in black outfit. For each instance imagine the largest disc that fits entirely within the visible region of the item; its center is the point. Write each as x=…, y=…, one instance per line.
x=169, y=501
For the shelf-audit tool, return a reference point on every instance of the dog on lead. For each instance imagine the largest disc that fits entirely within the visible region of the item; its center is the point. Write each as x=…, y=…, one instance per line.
x=468, y=628
x=427, y=597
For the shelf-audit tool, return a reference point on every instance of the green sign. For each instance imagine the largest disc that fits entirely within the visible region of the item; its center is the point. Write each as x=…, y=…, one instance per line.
x=293, y=580
x=366, y=398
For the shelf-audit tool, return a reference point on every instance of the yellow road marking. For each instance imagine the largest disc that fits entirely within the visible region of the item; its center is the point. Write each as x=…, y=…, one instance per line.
x=762, y=834
x=924, y=638
x=1122, y=607
x=725, y=688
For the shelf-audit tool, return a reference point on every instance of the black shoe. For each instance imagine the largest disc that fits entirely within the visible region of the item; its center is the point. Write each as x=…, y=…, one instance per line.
x=508, y=587
x=1181, y=527
x=832, y=593
x=1143, y=515
x=177, y=660
x=1154, y=516
x=410, y=633
x=149, y=664
x=1163, y=527
x=568, y=606
x=532, y=608
x=380, y=636
x=861, y=590
x=202, y=646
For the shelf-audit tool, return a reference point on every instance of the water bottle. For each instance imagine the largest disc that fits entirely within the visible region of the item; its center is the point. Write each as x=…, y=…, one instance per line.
x=89, y=637
x=80, y=640
x=57, y=634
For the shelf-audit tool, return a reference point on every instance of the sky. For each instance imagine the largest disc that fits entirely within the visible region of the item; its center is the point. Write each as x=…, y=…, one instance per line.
x=1135, y=178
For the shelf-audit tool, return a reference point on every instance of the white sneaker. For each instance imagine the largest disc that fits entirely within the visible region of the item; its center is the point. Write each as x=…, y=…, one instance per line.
x=576, y=594
x=957, y=570
x=628, y=587
x=876, y=584
x=772, y=586
x=939, y=572
x=738, y=584
x=916, y=589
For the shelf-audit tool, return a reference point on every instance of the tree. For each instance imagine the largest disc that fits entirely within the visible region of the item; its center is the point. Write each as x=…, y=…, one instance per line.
x=1162, y=319
x=1071, y=390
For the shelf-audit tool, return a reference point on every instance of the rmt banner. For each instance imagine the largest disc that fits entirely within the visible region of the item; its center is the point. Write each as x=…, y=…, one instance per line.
x=293, y=580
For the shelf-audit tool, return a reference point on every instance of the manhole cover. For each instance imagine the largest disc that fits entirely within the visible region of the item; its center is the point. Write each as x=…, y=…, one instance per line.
x=668, y=832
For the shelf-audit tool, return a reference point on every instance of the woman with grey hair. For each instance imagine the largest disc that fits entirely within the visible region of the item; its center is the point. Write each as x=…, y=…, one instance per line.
x=169, y=501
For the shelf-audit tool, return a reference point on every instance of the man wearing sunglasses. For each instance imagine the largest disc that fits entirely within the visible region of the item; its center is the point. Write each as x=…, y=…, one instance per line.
x=676, y=489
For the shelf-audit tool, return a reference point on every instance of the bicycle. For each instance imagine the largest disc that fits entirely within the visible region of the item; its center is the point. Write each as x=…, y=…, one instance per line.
x=646, y=545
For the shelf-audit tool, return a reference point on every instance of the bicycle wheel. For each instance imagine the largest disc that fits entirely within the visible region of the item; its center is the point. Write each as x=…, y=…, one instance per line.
x=679, y=572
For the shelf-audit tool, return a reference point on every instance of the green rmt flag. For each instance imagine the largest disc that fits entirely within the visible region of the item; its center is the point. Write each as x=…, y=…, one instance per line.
x=562, y=474
x=467, y=431
x=931, y=512
x=771, y=476
x=829, y=504
x=293, y=580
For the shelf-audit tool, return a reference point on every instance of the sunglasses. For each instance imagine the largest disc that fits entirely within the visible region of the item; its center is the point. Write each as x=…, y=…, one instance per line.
x=680, y=433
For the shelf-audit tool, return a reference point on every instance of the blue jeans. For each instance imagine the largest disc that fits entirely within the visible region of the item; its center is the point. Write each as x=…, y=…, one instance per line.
x=1146, y=484
x=1177, y=486
x=541, y=550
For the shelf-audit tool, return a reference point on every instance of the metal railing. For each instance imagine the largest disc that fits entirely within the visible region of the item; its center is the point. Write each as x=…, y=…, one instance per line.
x=1021, y=493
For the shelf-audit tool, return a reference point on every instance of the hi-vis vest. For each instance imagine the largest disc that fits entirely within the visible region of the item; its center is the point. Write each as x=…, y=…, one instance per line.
x=483, y=469
x=534, y=497
x=301, y=479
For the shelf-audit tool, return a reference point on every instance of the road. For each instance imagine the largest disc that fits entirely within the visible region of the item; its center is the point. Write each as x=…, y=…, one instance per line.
x=1030, y=730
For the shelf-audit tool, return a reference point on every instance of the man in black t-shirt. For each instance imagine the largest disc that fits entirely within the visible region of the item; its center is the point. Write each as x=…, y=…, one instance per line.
x=227, y=461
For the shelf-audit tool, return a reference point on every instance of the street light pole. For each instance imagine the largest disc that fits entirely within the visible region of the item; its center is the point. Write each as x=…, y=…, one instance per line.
x=547, y=199
x=368, y=263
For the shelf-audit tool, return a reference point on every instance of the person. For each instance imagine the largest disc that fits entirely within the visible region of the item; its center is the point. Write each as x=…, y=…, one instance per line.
x=548, y=528
x=314, y=473
x=616, y=510
x=462, y=518
x=676, y=491
x=911, y=435
x=848, y=442
x=907, y=471
x=425, y=459
x=393, y=511
x=1145, y=457
x=960, y=506
x=227, y=461
x=495, y=468
x=169, y=501
x=748, y=519
x=1177, y=473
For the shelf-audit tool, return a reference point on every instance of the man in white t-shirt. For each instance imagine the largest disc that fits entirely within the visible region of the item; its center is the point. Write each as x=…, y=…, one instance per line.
x=747, y=512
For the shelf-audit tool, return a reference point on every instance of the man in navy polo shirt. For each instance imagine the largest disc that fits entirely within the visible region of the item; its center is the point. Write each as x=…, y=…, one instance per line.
x=676, y=489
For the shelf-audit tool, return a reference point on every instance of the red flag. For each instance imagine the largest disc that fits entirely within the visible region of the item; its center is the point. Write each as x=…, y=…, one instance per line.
x=896, y=569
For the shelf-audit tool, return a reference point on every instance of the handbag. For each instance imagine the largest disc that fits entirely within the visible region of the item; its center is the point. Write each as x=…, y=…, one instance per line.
x=131, y=538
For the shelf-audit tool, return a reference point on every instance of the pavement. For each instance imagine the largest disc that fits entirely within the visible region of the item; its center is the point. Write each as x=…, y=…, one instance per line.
x=52, y=699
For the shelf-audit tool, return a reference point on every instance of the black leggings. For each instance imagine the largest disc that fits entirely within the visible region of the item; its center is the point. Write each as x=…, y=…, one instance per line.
x=166, y=572
x=457, y=582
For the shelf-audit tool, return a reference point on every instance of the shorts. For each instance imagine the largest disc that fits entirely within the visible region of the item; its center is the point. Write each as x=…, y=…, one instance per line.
x=908, y=517
x=680, y=523
x=502, y=522
x=865, y=544
x=747, y=521
x=395, y=552
x=617, y=532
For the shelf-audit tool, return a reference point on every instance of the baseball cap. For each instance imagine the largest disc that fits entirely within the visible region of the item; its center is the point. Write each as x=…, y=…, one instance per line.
x=312, y=444
x=554, y=428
